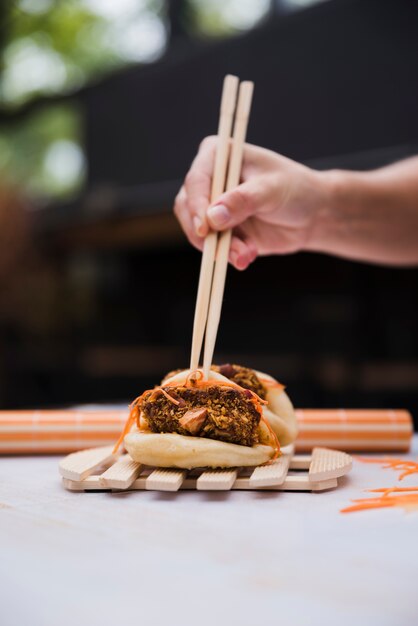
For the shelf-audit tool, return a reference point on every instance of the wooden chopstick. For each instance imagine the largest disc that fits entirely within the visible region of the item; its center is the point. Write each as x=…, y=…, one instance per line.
x=222, y=252
x=226, y=115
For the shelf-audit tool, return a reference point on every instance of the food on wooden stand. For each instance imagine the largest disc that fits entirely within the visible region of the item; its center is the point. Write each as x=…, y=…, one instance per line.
x=228, y=420
x=278, y=411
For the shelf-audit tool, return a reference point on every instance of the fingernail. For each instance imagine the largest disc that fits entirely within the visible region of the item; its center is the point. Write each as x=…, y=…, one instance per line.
x=233, y=257
x=219, y=215
x=241, y=262
x=198, y=226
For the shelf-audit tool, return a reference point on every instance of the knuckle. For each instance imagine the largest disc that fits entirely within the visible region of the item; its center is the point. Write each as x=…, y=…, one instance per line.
x=208, y=141
x=242, y=199
x=196, y=177
x=190, y=177
x=178, y=205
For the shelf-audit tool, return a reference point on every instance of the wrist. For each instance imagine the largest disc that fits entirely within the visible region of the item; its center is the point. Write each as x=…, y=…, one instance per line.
x=330, y=217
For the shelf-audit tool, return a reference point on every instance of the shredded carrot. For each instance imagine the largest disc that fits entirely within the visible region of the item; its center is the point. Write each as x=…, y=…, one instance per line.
x=200, y=382
x=167, y=395
x=406, y=467
x=193, y=377
x=388, y=490
x=406, y=500
x=274, y=436
x=129, y=423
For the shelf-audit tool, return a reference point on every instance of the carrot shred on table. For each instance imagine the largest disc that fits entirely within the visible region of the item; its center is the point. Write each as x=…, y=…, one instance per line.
x=387, y=499
x=388, y=490
x=405, y=466
x=406, y=500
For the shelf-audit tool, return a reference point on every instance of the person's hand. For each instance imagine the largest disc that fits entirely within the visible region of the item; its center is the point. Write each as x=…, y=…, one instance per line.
x=272, y=211
x=282, y=206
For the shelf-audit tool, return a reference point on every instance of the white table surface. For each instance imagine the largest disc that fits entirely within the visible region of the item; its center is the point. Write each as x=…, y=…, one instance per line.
x=243, y=558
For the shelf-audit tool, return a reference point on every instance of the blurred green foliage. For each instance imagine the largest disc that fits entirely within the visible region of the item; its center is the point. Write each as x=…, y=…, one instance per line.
x=52, y=47
x=42, y=154
x=81, y=39
x=67, y=30
x=220, y=18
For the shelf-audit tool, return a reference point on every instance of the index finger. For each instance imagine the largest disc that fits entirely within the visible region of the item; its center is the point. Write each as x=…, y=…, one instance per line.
x=198, y=184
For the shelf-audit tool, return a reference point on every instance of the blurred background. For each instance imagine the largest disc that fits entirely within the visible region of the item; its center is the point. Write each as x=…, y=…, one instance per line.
x=102, y=106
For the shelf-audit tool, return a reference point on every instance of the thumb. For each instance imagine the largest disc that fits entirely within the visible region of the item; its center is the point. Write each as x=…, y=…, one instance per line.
x=233, y=207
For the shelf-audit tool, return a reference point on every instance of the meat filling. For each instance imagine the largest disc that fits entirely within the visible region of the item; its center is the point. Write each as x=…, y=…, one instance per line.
x=193, y=420
x=229, y=415
x=243, y=376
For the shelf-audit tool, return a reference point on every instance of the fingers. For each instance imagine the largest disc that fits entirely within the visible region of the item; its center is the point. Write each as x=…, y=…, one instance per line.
x=234, y=207
x=242, y=252
x=198, y=184
x=231, y=209
x=185, y=219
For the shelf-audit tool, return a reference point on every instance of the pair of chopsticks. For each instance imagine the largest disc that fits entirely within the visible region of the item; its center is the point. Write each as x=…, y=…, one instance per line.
x=226, y=176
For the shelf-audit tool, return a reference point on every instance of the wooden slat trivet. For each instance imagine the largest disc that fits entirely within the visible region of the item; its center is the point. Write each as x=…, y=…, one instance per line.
x=327, y=464
x=316, y=472
x=121, y=474
x=272, y=474
x=165, y=480
x=216, y=480
x=293, y=482
x=79, y=465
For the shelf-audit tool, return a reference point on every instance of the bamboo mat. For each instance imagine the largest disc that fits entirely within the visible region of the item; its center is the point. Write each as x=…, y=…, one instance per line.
x=63, y=431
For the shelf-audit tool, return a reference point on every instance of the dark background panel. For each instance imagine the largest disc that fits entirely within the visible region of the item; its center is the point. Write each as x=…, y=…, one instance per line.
x=337, y=79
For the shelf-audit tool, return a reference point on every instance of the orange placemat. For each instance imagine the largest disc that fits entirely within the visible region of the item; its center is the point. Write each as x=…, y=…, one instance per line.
x=63, y=431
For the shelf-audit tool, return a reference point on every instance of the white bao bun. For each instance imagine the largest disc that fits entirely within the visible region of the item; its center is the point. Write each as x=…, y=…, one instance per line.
x=279, y=411
x=173, y=450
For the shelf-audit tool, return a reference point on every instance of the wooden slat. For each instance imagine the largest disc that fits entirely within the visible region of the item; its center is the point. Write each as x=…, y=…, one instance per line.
x=216, y=480
x=165, y=480
x=300, y=462
x=291, y=483
x=78, y=465
x=326, y=464
x=272, y=474
x=91, y=483
x=121, y=474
